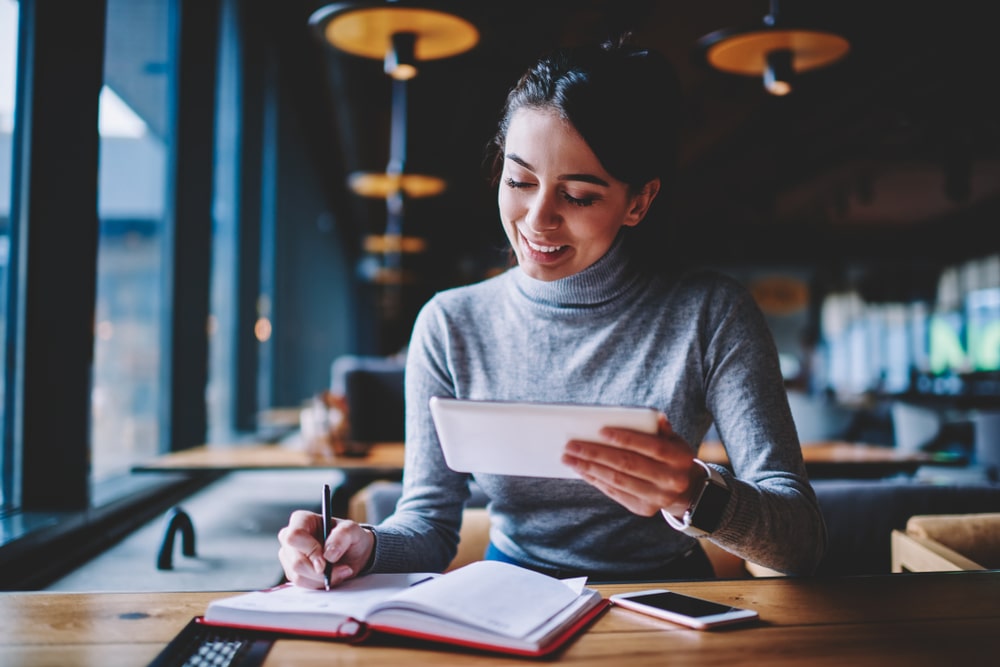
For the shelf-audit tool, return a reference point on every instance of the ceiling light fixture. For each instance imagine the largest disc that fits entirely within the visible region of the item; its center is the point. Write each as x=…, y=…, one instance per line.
x=394, y=243
x=774, y=52
x=382, y=185
x=401, y=34
x=397, y=33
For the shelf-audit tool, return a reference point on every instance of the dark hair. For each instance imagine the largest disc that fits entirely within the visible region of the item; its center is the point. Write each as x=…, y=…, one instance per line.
x=624, y=101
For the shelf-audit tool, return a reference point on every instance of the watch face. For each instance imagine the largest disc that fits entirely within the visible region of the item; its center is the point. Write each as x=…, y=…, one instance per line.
x=711, y=504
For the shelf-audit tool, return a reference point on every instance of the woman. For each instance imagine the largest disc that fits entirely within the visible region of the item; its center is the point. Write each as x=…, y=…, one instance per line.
x=584, y=147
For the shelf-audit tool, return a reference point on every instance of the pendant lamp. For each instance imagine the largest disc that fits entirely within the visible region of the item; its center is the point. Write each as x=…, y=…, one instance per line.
x=775, y=52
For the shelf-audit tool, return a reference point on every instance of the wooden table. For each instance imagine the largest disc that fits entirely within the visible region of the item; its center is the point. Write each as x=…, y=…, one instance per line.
x=837, y=458
x=823, y=459
x=900, y=619
x=382, y=458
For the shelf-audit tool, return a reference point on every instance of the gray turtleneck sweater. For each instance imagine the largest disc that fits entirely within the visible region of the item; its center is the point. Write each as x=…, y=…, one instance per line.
x=695, y=347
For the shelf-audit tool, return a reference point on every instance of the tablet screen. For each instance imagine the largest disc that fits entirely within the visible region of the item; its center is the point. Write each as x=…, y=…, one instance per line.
x=525, y=439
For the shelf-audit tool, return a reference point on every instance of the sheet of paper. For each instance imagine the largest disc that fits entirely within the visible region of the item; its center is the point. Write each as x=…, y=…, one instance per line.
x=575, y=584
x=499, y=597
x=353, y=598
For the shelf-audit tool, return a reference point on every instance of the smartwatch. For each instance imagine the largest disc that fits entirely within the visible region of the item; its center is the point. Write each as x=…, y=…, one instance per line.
x=704, y=514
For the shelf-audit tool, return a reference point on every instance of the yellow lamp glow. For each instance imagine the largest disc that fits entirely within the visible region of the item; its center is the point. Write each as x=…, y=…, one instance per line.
x=383, y=185
x=373, y=32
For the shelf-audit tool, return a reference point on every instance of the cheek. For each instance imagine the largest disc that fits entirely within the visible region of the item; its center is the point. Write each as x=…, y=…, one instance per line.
x=507, y=205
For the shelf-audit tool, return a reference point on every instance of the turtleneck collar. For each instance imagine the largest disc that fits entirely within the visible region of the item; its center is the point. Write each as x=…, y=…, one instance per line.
x=600, y=283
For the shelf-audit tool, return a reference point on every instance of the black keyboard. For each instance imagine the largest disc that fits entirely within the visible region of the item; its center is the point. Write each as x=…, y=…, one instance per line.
x=199, y=645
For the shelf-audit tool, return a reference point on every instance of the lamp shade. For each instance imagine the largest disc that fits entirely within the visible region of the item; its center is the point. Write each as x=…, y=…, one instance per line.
x=369, y=30
x=745, y=53
x=774, y=52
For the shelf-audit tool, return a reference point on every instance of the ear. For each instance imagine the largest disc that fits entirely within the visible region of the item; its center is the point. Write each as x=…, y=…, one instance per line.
x=641, y=202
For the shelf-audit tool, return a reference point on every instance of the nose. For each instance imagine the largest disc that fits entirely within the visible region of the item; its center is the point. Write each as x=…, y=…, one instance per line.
x=543, y=213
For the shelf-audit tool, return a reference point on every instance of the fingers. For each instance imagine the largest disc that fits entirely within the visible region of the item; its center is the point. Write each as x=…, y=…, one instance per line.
x=298, y=569
x=632, y=502
x=348, y=548
x=664, y=445
x=641, y=471
x=629, y=474
x=304, y=558
x=301, y=554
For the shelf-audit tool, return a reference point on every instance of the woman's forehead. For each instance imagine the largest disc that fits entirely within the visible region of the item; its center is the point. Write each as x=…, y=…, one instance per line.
x=544, y=140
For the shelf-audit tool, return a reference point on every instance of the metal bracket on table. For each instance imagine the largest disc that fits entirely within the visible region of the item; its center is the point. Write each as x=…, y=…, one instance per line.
x=178, y=521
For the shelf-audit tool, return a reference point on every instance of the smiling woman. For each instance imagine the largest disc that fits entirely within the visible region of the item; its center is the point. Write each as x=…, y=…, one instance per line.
x=560, y=209
x=583, y=148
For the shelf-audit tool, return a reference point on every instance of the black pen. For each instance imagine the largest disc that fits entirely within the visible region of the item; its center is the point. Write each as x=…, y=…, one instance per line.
x=328, y=522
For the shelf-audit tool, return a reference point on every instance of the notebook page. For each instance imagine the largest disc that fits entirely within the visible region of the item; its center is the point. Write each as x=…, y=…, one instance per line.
x=499, y=597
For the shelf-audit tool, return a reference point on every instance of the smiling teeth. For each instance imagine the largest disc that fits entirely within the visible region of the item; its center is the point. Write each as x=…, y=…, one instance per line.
x=542, y=248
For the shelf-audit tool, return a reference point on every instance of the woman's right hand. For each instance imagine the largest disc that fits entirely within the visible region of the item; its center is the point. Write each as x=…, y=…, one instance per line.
x=304, y=557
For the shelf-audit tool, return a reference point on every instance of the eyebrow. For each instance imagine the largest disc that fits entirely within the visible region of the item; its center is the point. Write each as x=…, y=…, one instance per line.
x=586, y=178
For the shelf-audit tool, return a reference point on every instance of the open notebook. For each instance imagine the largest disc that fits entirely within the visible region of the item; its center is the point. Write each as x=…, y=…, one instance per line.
x=485, y=605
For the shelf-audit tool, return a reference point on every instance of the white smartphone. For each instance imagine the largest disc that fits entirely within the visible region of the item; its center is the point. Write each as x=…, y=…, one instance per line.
x=684, y=609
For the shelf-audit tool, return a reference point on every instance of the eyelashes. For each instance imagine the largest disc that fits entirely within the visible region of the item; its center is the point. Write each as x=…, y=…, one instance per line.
x=585, y=201
x=575, y=201
x=517, y=185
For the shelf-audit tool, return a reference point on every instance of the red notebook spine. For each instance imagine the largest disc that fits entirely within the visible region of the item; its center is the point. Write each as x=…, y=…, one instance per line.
x=350, y=631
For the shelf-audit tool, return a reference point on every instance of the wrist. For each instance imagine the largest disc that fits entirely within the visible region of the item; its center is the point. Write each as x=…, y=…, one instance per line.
x=710, y=496
x=371, y=555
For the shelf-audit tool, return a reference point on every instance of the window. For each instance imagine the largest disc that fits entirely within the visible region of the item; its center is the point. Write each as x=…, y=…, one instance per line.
x=102, y=259
x=132, y=326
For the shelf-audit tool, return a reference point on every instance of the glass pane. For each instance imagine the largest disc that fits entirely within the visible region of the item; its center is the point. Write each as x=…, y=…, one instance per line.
x=134, y=151
x=8, y=74
x=221, y=395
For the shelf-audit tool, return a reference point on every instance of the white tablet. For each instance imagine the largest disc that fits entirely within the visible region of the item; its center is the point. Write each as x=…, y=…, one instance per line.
x=525, y=439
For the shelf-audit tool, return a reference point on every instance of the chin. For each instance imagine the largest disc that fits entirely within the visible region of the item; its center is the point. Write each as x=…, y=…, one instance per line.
x=545, y=273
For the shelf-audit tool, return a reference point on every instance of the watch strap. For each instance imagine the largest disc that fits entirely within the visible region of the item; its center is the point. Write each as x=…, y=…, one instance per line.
x=711, y=499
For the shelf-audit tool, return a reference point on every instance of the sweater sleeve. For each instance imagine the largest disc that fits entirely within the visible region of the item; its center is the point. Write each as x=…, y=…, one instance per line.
x=773, y=518
x=422, y=534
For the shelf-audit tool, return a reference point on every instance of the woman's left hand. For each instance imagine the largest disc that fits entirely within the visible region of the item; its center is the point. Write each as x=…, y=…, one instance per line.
x=644, y=472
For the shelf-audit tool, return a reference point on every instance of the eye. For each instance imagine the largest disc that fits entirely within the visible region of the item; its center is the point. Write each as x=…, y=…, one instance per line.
x=584, y=201
x=511, y=183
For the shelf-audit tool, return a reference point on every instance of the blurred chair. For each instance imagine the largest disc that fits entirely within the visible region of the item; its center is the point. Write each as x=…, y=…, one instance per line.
x=861, y=514
x=947, y=542
x=914, y=426
x=818, y=418
x=373, y=390
x=987, y=442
